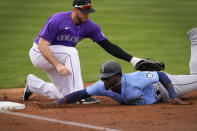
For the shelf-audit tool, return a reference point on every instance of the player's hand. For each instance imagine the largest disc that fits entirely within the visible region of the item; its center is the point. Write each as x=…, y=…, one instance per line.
x=179, y=102
x=62, y=70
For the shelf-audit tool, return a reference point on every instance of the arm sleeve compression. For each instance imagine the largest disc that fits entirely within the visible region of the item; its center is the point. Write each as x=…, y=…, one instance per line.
x=114, y=50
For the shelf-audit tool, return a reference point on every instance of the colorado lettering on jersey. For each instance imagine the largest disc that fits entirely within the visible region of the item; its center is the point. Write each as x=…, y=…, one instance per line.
x=74, y=39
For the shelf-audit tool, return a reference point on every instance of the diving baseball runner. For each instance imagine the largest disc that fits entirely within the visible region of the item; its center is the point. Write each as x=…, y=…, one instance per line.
x=54, y=51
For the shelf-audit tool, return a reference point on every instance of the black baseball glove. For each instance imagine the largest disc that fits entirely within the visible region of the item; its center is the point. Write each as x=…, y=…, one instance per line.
x=149, y=65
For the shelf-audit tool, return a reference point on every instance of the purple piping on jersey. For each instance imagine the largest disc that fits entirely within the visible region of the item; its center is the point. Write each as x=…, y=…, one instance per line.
x=70, y=62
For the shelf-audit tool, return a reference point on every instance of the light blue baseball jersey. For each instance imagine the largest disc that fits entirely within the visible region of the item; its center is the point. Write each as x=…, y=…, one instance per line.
x=136, y=89
x=61, y=30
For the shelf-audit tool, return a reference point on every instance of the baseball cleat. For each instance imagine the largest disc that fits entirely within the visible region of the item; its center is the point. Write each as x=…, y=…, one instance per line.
x=26, y=93
x=88, y=100
x=191, y=33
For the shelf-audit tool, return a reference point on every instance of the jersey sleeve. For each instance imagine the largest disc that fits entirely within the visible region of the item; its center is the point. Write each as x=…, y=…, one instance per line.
x=95, y=33
x=96, y=89
x=50, y=29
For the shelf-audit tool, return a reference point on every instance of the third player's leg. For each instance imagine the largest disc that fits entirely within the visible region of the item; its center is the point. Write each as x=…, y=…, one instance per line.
x=185, y=84
x=193, y=59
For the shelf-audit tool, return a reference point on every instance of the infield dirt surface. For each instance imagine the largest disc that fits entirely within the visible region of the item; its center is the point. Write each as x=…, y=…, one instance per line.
x=107, y=113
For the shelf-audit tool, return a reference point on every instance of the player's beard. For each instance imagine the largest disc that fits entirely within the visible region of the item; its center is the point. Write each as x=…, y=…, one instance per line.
x=78, y=19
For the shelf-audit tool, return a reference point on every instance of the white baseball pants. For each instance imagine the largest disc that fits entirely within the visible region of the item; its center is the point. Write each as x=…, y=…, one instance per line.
x=61, y=85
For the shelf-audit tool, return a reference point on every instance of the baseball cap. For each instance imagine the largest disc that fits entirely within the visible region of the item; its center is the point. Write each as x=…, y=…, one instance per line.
x=84, y=6
x=109, y=69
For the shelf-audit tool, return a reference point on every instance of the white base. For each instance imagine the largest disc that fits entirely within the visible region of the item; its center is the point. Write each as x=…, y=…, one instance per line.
x=7, y=105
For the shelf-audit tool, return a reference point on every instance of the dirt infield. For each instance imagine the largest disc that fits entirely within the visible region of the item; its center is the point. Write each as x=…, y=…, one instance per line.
x=107, y=113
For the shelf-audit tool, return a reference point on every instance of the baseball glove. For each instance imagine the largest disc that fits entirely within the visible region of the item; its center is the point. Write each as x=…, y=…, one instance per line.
x=149, y=65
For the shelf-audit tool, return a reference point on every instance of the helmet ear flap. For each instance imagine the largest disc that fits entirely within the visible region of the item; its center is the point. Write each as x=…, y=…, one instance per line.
x=109, y=69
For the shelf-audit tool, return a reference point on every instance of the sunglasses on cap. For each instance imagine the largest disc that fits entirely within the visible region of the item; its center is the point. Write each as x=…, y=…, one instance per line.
x=84, y=7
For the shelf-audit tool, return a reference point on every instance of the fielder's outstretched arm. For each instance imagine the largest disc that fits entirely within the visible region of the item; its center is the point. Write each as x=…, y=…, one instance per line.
x=117, y=51
x=143, y=65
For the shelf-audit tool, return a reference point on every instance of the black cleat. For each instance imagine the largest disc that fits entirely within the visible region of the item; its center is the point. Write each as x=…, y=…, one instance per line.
x=27, y=93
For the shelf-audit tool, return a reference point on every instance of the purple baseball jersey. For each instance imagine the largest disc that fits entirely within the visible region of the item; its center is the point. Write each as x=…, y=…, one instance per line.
x=61, y=30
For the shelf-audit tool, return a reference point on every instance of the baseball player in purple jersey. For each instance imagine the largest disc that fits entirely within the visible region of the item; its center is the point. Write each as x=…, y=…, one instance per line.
x=54, y=51
x=139, y=88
